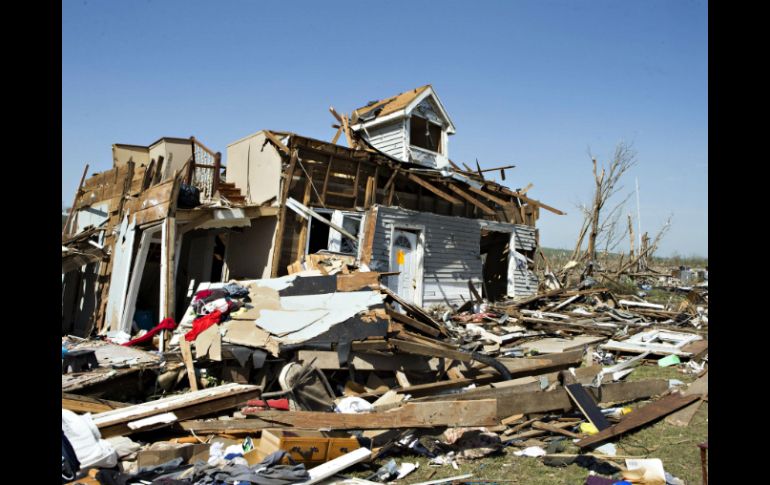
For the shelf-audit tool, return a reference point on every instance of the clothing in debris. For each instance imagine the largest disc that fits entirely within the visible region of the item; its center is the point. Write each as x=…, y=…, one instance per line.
x=168, y=470
x=266, y=472
x=206, y=296
x=85, y=440
x=234, y=290
x=222, y=305
x=69, y=460
x=201, y=324
x=166, y=324
x=202, y=294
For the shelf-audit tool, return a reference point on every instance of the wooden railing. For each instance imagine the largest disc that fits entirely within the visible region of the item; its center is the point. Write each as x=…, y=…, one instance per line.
x=205, y=171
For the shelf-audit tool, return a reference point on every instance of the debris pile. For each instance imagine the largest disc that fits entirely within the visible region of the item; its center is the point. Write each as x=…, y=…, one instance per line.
x=376, y=310
x=330, y=371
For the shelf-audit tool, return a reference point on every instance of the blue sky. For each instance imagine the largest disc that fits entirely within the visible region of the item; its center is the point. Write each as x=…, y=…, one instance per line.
x=532, y=83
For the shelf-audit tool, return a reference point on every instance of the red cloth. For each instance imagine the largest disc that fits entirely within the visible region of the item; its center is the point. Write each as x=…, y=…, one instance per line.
x=202, y=294
x=202, y=323
x=166, y=324
x=280, y=404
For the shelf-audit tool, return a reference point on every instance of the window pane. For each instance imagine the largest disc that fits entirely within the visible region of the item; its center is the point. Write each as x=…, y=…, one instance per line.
x=424, y=134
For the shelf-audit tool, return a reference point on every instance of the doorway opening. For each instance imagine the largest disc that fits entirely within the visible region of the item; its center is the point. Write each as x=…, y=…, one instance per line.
x=494, y=256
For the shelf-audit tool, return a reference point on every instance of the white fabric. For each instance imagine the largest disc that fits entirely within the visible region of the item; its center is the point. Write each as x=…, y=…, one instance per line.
x=220, y=304
x=532, y=451
x=84, y=436
x=352, y=405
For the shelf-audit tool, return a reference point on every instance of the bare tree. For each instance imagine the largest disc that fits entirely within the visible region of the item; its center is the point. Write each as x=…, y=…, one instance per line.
x=607, y=184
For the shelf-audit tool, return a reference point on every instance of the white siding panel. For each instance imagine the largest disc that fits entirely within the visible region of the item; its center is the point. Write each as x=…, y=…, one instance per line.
x=388, y=139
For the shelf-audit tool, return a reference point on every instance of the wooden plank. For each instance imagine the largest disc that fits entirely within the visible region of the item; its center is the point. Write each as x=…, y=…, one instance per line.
x=368, y=192
x=644, y=415
x=413, y=309
x=434, y=189
x=187, y=357
x=512, y=419
x=302, y=242
x=374, y=185
x=361, y=280
x=337, y=136
x=431, y=388
x=326, y=179
x=532, y=433
x=430, y=351
x=484, y=208
x=171, y=403
x=369, y=345
x=277, y=142
x=65, y=229
x=556, y=429
x=534, y=202
x=478, y=170
x=400, y=317
x=277, y=250
x=523, y=395
x=490, y=197
x=391, y=179
x=618, y=392
x=167, y=273
x=348, y=134
x=542, y=363
x=683, y=417
x=402, y=380
x=411, y=415
x=85, y=404
x=587, y=406
x=332, y=467
x=190, y=412
x=356, y=182
x=329, y=360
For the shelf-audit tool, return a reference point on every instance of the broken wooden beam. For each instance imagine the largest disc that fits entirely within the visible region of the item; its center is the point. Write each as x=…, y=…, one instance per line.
x=123, y=421
x=452, y=200
x=411, y=415
x=277, y=142
x=465, y=195
x=400, y=317
x=85, y=404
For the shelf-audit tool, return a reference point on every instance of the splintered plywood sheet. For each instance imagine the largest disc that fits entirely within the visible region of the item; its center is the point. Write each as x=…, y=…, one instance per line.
x=685, y=415
x=558, y=345
x=209, y=344
x=241, y=332
x=261, y=299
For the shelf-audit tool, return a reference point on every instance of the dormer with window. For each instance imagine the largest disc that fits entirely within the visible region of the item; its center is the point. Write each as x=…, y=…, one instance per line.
x=410, y=127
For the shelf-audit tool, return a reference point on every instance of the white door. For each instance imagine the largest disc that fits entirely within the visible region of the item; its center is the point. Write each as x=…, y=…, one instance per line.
x=404, y=258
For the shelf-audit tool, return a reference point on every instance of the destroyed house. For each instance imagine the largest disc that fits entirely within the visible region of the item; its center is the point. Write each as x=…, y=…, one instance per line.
x=138, y=243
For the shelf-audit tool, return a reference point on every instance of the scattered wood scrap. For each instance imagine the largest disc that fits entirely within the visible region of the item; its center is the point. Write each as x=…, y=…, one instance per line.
x=198, y=403
x=639, y=417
